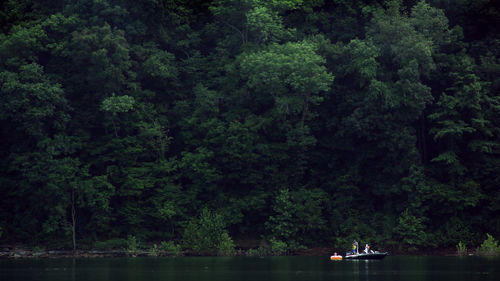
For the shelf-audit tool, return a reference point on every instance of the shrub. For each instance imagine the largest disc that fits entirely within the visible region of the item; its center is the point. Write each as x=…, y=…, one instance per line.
x=489, y=247
x=410, y=230
x=297, y=217
x=259, y=252
x=278, y=247
x=170, y=248
x=132, y=245
x=226, y=245
x=207, y=234
x=461, y=249
x=155, y=251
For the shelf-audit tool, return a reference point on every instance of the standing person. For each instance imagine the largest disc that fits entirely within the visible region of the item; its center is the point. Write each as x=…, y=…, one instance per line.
x=355, y=247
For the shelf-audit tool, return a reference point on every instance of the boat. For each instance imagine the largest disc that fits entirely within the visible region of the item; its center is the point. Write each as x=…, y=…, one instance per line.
x=376, y=255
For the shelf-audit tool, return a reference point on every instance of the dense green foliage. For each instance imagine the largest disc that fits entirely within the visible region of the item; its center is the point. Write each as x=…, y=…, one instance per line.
x=207, y=234
x=489, y=246
x=302, y=122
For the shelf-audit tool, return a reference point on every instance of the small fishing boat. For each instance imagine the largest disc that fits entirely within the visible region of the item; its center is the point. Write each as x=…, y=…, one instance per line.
x=376, y=255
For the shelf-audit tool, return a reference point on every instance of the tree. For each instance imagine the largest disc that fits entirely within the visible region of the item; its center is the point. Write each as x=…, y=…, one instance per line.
x=115, y=105
x=293, y=74
x=254, y=21
x=410, y=230
x=126, y=118
x=294, y=77
x=296, y=217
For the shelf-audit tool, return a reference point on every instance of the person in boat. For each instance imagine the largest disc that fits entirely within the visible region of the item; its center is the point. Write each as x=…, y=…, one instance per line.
x=367, y=249
x=355, y=247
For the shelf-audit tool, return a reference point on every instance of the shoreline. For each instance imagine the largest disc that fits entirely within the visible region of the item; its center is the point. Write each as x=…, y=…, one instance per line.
x=14, y=252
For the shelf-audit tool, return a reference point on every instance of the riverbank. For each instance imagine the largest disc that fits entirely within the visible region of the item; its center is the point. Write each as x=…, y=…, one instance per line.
x=15, y=252
x=20, y=252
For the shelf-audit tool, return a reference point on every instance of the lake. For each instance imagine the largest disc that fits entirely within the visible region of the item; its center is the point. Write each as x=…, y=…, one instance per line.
x=251, y=268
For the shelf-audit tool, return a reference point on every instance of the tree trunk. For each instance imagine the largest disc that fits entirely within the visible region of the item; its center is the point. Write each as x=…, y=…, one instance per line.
x=305, y=109
x=73, y=218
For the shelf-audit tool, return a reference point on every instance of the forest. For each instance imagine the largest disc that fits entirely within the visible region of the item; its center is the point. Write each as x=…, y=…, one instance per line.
x=294, y=122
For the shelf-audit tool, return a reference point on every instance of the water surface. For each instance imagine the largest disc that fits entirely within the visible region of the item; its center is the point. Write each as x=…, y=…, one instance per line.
x=250, y=268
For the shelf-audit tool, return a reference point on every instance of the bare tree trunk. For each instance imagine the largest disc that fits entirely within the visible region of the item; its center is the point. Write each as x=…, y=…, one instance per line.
x=305, y=109
x=423, y=140
x=242, y=33
x=73, y=218
x=114, y=126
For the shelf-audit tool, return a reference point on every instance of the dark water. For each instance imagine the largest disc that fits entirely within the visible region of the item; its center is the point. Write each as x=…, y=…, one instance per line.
x=255, y=269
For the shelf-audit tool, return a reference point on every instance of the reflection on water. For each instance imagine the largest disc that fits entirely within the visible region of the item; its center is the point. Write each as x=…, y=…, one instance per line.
x=255, y=269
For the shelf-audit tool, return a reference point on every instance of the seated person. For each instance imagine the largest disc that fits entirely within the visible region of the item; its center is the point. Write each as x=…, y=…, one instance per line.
x=367, y=249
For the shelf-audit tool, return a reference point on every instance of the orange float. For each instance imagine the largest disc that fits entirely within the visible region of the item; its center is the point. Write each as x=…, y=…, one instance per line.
x=336, y=258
